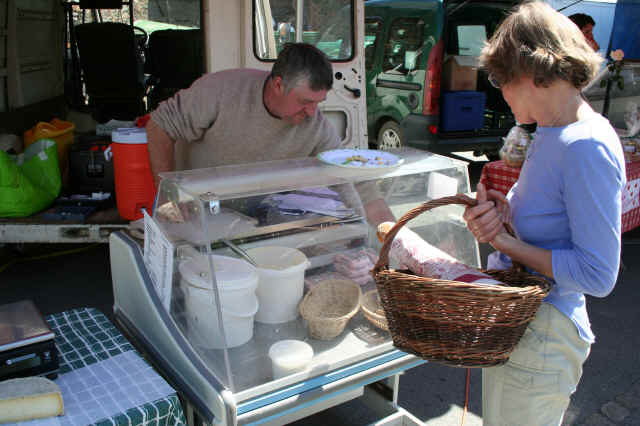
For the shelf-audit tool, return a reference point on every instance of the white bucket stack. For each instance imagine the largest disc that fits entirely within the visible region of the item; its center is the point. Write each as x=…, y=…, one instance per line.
x=237, y=281
x=281, y=282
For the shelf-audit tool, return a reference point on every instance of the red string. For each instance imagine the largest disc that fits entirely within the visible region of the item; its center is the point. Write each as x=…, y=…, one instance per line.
x=466, y=395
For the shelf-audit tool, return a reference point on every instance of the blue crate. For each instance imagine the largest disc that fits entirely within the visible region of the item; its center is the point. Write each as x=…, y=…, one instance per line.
x=462, y=110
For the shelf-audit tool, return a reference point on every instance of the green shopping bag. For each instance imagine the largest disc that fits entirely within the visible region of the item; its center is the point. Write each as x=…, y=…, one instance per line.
x=29, y=182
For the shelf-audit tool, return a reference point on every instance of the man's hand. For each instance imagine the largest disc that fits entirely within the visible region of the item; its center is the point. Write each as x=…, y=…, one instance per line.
x=487, y=218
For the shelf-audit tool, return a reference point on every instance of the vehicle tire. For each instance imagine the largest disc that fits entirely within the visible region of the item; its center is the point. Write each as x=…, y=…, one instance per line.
x=390, y=136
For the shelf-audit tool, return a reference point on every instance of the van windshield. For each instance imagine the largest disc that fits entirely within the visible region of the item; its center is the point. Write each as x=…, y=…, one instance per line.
x=149, y=16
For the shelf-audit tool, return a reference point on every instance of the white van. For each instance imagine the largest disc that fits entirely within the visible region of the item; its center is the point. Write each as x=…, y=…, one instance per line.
x=43, y=74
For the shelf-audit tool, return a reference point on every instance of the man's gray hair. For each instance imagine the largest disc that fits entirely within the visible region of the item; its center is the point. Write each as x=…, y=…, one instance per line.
x=302, y=63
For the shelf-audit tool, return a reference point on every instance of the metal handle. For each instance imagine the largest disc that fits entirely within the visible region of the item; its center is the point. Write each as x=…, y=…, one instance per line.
x=240, y=251
x=356, y=92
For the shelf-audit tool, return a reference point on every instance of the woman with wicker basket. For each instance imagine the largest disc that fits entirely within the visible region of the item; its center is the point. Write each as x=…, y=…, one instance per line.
x=565, y=209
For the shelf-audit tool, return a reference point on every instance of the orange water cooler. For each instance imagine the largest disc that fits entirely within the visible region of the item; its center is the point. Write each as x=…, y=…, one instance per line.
x=135, y=189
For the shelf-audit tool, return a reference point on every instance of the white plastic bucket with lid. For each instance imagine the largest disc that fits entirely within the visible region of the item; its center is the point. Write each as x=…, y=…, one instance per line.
x=281, y=282
x=289, y=357
x=237, y=281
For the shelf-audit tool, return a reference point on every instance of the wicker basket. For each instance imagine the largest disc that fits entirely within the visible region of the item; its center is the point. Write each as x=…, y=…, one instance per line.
x=329, y=306
x=373, y=311
x=456, y=323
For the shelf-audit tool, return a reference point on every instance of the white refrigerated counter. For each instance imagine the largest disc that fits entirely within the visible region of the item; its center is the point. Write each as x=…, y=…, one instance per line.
x=196, y=308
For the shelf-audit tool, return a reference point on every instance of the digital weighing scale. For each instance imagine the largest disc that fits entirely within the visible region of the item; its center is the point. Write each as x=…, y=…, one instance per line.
x=27, y=346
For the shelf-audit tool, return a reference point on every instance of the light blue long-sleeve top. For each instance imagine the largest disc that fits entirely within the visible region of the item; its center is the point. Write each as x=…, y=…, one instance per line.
x=568, y=200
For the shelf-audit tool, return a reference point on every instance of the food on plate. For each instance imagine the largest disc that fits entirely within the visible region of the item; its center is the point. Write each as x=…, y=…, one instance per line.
x=364, y=160
x=353, y=158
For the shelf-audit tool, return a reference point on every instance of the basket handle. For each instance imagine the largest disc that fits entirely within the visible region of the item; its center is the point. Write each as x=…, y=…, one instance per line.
x=383, y=259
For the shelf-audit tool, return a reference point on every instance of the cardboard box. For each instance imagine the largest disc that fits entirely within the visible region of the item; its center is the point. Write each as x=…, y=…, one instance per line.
x=460, y=73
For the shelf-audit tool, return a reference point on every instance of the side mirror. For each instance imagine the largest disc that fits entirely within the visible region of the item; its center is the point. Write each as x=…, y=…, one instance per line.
x=410, y=57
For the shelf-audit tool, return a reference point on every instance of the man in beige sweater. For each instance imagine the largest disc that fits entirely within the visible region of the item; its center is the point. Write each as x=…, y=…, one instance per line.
x=246, y=115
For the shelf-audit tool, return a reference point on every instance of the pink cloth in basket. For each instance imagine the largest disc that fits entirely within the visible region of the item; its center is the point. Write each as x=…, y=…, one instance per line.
x=421, y=258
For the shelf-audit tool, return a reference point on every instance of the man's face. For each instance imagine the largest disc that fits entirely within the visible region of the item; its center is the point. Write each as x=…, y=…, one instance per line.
x=299, y=103
x=587, y=30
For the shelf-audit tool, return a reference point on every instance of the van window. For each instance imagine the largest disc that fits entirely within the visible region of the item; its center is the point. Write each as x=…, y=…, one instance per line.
x=328, y=28
x=404, y=34
x=372, y=28
x=471, y=39
x=169, y=14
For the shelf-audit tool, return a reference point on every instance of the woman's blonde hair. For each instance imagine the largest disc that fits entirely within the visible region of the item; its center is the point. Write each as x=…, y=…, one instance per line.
x=536, y=41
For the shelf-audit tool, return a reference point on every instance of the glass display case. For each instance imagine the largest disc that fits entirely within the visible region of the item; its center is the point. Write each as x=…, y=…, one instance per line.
x=316, y=208
x=307, y=224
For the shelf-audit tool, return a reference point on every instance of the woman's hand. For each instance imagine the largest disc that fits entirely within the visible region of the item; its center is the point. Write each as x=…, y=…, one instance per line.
x=486, y=219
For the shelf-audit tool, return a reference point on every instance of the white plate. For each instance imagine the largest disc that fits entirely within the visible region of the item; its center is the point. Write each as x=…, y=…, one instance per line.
x=360, y=158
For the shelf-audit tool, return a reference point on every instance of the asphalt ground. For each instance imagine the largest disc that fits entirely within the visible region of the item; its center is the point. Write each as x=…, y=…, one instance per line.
x=59, y=277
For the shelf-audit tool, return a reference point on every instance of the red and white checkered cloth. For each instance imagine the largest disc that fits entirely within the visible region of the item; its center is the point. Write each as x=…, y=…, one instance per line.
x=631, y=197
x=499, y=176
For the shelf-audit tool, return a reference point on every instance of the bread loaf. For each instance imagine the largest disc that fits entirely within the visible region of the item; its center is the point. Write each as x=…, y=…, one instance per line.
x=29, y=398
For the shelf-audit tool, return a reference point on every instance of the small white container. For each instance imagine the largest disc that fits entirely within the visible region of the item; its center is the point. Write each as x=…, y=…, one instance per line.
x=289, y=357
x=280, y=283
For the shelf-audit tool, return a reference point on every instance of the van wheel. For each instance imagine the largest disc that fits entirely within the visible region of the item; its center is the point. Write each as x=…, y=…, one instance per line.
x=390, y=136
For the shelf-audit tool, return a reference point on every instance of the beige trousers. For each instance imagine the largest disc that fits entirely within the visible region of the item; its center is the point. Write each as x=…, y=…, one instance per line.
x=535, y=385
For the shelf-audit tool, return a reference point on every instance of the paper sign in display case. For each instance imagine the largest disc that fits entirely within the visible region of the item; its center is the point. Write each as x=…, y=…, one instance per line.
x=286, y=337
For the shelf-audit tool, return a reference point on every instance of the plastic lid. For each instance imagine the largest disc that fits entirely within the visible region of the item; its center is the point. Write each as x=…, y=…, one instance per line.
x=293, y=353
x=231, y=273
x=132, y=135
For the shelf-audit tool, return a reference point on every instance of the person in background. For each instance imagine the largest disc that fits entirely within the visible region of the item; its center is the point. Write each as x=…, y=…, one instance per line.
x=586, y=24
x=565, y=209
x=286, y=33
x=241, y=116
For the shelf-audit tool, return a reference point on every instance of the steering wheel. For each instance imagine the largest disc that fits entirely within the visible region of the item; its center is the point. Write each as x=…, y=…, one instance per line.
x=141, y=37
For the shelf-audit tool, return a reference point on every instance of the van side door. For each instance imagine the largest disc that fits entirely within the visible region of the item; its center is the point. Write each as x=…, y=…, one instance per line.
x=334, y=27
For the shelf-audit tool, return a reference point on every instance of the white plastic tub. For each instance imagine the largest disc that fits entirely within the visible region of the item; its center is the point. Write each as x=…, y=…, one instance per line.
x=281, y=282
x=237, y=281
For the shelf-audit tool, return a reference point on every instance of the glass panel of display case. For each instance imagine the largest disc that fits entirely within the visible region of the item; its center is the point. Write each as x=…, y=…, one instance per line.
x=306, y=224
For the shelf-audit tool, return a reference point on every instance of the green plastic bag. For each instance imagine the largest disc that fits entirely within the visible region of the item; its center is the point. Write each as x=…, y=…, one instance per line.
x=29, y=182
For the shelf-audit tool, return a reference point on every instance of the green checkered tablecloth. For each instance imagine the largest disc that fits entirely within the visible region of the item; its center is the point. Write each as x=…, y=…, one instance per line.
x=88, y=342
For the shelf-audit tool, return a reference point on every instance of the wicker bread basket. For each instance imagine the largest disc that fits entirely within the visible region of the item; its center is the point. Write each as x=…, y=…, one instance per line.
x=372, y=310
x=329, y=306
x=456, y=323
